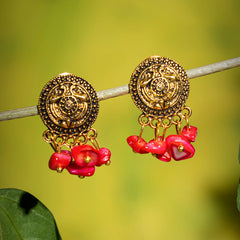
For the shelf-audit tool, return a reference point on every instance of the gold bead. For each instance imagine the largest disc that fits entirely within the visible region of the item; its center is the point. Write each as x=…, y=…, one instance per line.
x=59, y=170
x=108, y=163
x=180, y=148
x=81, y=177
x=87, y=159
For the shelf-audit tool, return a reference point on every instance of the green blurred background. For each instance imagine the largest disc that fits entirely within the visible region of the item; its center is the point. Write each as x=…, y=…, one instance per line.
x=137, y=197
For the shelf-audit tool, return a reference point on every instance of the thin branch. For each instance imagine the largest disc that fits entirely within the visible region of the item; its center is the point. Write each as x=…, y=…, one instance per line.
x=122, y=90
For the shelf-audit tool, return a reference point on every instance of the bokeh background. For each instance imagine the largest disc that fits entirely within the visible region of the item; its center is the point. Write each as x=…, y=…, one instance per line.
x=137, y=197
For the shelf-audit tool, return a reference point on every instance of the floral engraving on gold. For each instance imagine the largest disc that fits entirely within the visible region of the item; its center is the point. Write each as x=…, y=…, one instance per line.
x=68, y=104
x=159, y=86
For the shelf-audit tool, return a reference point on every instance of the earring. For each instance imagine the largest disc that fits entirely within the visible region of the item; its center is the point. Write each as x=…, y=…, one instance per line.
x=159, y=87
x=68, y=106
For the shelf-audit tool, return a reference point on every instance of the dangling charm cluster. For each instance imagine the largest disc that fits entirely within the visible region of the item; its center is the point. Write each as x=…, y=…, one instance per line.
x=68, y=106
x=159, y=87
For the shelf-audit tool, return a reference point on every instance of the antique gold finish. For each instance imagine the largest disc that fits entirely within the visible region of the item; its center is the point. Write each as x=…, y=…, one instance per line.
x=59, y=170
x=108, y=163
x=180, y=148
x=68, y=105
x=87, y=159
x=159, y=87
x=165, y=122
x=57, y=141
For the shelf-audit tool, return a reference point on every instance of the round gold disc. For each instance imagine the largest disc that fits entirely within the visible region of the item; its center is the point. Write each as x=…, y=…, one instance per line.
x=68, y=104
x=159, y=86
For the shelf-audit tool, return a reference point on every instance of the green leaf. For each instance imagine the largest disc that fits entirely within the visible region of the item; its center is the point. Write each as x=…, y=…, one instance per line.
x=24, y=217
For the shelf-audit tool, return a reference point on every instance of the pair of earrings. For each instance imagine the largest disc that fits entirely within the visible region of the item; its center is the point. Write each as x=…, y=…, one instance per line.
x=68, y=106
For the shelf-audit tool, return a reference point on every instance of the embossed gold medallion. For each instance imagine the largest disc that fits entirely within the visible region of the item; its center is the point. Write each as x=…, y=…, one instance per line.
x=68, y=106
x=159, y=87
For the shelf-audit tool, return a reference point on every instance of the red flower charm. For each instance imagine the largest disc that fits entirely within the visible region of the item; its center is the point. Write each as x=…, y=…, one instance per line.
x=156, y=146
x=85, y=155
x=166, y=157
x=75, y=169
x=59, y=161
x=189, y=133
x=179, y=147
x=105, y=156
x=86, y=158
x=137, y=144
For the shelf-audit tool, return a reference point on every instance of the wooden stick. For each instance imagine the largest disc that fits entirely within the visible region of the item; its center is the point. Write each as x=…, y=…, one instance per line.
x=122, y=90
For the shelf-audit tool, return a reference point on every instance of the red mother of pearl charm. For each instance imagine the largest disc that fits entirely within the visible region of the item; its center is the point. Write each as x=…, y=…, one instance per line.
x=75, y=169
x=156, y=146
x=166, y=157
x=104, y=157
x=59, y=161
x=137, y=144
x=85, y=155
x=179, y=147
x=190, y=133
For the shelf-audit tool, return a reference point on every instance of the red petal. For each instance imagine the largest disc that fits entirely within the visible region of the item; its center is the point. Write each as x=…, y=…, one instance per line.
x=132, y=140
x=190, y=133
x=175, y=142
x=137, y=144
x=85, y=155
x=77, y=149
x=166, y=157
x=59, y=160
x=74, y=169
x=157, y=147
x=105, y=156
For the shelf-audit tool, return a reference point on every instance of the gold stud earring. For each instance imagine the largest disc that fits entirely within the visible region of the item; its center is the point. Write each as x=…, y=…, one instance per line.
x=68, y=106
x=159, y=87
